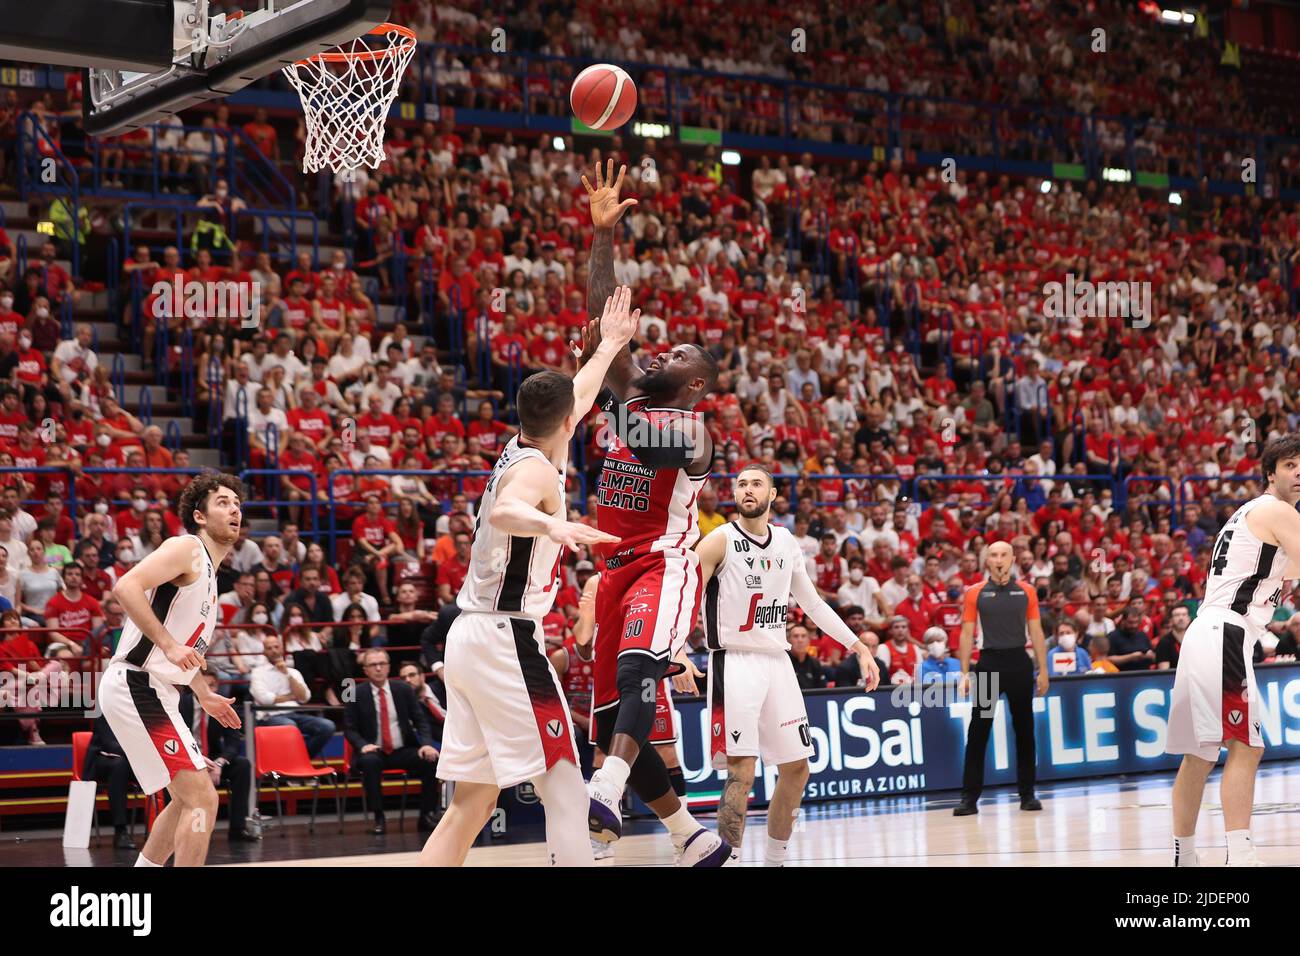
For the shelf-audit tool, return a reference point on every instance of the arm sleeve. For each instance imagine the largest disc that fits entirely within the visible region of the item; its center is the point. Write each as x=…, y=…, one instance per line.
x=822, y=614
x=657, y=447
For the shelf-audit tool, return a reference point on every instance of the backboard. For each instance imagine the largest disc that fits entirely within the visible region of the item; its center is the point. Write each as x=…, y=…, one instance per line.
x=147, y=59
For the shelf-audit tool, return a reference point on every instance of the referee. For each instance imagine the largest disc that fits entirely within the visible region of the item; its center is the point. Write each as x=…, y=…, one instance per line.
x=1002, y=609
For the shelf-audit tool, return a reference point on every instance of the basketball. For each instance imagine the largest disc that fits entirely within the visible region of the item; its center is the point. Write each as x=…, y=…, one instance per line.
x=603, y=96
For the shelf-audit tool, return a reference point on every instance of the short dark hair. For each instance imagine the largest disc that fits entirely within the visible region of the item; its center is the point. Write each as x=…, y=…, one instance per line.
x=756, y=467
x=1279, y=449
x=708, y=368
x=544, y=401
x=195, y=496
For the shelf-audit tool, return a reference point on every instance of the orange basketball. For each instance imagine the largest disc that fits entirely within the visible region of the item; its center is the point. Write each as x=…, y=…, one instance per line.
x=603, y=96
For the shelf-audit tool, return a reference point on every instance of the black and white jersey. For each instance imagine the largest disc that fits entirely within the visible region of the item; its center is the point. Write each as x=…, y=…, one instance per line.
x=1245, y=573
x=747, y=598
x=189, y=613
x=509, y=574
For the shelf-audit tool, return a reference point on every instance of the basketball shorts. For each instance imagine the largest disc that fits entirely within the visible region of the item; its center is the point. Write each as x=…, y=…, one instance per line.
x=756, y=708
x=664, y=730
x=1215, y=698
x=142, y=711
x=507, y=719
x=646, y=606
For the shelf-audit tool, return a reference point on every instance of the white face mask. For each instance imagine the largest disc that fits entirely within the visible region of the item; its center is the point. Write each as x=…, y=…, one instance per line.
x=139, y=505
x=260, y=617
x=6, y=302
x=1066, y=642
x=855, y=575
x=295, y=620
x=125, y=557
x=101, y=508
x=104, y=440
x=25, y=342
x=936, y=649
x=222, y=193
x=548, y=335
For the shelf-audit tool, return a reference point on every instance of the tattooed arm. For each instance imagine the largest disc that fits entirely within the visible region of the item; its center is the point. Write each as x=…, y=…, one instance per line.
x=606, y=210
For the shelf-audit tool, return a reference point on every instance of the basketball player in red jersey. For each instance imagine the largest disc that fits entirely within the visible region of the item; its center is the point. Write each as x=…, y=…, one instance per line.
x=656, y=460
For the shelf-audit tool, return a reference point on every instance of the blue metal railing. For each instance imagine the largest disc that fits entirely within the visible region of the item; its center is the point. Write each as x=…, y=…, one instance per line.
x=44, y=169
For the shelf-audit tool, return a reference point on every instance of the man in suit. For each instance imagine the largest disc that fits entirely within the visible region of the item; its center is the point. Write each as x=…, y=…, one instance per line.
x=388, y=728
x=226, y=766
x=106, y=763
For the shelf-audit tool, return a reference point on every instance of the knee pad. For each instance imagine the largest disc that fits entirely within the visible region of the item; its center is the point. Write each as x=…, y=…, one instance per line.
x=649, y=777
x=638, y=684
x=678, y=781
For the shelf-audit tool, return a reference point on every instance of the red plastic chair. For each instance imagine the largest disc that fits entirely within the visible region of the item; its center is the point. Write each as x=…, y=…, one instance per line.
x=282, y=754
x=392, y=772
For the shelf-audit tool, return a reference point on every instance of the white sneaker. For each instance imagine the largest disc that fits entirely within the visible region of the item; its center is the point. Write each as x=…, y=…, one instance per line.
x=604, y=817
x=1186, y=861
x=703, y=848
x=1249, y=858
x=602, y=851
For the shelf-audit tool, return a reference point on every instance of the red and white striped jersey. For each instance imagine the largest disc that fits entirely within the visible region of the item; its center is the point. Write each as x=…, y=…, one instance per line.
x=649, y=510
x=189, y=613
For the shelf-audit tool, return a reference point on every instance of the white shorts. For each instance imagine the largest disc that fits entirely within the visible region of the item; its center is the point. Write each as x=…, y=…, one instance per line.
x=507, y=719
x=1215, y=698
x=142, y=711
x=757, y=708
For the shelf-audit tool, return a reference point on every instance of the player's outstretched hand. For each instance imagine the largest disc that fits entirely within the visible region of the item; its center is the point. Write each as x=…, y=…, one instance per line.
x=684, y=683
x=183, y=656
x=869, y=668
x=606, y=210
x=571, y=534
x=590, y=340
x=222, y=708
x=617, y=322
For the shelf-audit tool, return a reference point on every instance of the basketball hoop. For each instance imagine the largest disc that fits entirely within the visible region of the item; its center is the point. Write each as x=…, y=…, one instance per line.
x=346, y=94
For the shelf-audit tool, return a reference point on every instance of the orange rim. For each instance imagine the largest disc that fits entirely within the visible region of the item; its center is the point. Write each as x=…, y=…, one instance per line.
x=406, y=43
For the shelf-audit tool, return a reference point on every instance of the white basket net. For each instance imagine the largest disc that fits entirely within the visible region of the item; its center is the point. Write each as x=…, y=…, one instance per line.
x=346, y=94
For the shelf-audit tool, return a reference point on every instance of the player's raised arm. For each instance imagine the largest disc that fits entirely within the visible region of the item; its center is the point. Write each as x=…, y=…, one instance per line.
x=617, y=324
x=681, y=443
x=823, y=615
x=173, y=558
x=516, y=511
x=712, y=549
x=606, y=210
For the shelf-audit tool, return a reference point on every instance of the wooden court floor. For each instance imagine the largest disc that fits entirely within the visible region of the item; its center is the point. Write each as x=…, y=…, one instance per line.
x=1122, y=822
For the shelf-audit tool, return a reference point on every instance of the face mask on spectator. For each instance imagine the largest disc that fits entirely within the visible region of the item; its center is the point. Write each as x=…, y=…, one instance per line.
x=260, y=617
x=139, y=504
x=101, y=507
x=936, y=649
x=25, y=342
x=125, y=556
x=1066, y=642
x=855, y=575
x=222, y=192
x=6, y=302
x=104, y=440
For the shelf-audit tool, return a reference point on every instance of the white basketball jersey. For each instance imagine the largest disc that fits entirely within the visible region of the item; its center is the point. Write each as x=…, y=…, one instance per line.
x=1245, y=573
x=747, y=598
x=510, y=574
x=190, y=615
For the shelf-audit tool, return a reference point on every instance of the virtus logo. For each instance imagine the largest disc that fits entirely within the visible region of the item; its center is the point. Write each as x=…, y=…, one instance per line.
x=1080, y=298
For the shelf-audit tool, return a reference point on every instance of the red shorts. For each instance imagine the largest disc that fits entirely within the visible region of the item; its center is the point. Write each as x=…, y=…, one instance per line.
x=648, y=606
x=664, y=730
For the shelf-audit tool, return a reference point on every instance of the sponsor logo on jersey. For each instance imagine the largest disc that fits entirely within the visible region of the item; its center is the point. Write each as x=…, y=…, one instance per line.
x=204, y=609
x=170, y=748
x=753, y=581
x=717, y=730
x=1234, y=717
x=554, y=727
x=766, y=563
x=638, y=608
x=765, y=615
x=749, y=563
x=735, y=736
